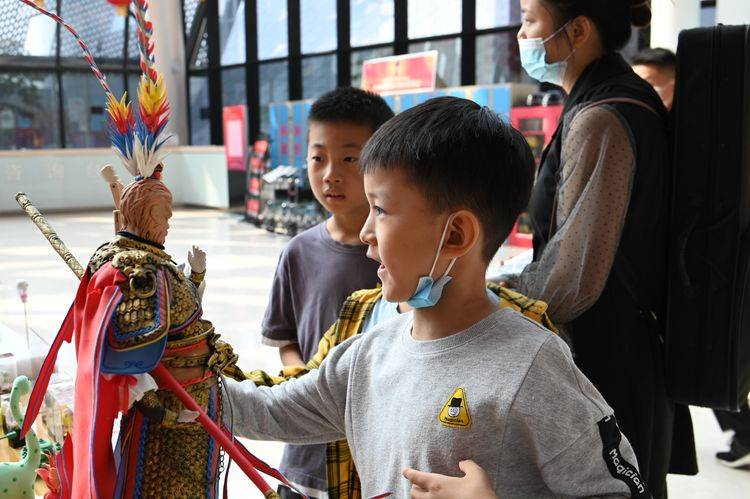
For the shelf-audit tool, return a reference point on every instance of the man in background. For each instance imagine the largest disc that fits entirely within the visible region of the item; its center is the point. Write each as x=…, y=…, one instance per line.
x=657, y=66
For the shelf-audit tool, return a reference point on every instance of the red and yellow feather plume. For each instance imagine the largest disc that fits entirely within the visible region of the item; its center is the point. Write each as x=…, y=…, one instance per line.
x=153, y=114
x=121, y=129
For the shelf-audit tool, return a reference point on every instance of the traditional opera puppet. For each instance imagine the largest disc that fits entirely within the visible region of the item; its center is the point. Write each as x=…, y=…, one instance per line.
x=143, y=348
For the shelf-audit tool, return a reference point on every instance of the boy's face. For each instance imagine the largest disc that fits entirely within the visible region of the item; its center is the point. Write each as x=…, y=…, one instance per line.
x=403, y=232
x=332, y=165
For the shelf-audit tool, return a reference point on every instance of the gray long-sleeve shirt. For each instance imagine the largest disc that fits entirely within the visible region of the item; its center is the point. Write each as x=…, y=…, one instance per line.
x=504, y=393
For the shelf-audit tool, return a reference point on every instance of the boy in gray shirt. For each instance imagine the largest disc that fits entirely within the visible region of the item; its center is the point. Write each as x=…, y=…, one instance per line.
x=319, y=268
x=456, y=378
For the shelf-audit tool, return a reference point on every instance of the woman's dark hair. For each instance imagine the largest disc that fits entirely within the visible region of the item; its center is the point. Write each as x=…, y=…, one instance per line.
x=614, y=19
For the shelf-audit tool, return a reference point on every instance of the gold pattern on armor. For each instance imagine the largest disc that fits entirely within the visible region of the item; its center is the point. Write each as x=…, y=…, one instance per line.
x=195, y=334
x=199, y=391
x=195, y=328
x=102, y=255
x=131, y=244
x=197, y=277
x=188, y=361
x=185, y=301
x=133, y=314
x=224, y=360
x=106, y=252
x=139, y=307
x=177, y=455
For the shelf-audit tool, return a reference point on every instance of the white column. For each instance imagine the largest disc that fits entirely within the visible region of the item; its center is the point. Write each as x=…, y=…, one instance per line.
x=669, y=17
x=733, y=11
x=169, y=51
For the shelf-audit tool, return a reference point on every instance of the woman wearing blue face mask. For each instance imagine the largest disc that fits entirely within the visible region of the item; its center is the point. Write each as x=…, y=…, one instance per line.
x=598, y=212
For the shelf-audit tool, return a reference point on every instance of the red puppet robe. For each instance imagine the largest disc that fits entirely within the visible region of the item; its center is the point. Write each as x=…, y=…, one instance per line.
x=86, y=464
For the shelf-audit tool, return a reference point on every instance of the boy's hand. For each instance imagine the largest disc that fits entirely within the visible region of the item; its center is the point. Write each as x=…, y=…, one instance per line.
x=291, y=355
x=473, y=485
x=197, y=260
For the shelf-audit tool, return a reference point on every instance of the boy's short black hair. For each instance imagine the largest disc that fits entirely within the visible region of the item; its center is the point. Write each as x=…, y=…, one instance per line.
x=461, y=156
x=351, y=105
x=661, y=58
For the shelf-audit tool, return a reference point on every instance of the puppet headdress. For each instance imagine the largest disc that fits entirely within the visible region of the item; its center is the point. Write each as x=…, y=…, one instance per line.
x=137, y=137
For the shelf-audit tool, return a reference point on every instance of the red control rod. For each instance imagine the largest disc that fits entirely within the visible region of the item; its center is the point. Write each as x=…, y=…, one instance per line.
x=163, y=374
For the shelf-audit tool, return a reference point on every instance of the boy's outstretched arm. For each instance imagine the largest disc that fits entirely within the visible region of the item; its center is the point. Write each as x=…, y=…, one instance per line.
x=473, y=485
x=331, y=338
x=307, y=410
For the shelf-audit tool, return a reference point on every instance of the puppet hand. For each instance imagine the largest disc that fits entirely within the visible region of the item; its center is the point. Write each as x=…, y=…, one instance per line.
x=474, y=484
x=187, y=416
x=197, y=260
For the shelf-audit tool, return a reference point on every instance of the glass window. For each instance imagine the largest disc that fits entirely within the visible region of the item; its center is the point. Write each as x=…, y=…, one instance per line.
x=199, y=59
x=318, y=75
x=449, y=60
x=24, y=31
x=134, y=79
x=83, y=109
x=99, y=24
x=200, y=119
x=191, y=8
x=371, y=22
x=272, y=29
x=360, y=56
x=232, y=31
x=496, y=13
x=318, y=20
x=134, y=55
x=233, y=87
x=498, y=60
x=274, y=87
x=28, y=111
x=434, y=17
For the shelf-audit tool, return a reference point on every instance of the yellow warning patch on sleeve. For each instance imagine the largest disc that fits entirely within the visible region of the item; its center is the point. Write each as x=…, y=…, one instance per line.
x=455, y=413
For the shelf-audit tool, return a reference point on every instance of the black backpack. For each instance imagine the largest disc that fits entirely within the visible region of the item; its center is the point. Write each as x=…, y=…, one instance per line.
x=707, y=337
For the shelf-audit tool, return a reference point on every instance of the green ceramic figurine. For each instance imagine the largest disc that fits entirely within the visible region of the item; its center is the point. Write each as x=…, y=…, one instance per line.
x=17, y=478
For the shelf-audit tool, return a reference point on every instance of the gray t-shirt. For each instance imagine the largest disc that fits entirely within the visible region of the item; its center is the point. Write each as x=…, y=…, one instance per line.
x=314, y=276
x=504, y=393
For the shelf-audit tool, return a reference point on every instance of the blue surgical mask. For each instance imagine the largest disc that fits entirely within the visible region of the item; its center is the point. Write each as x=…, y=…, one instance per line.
x=428, y=291
x=534, y=60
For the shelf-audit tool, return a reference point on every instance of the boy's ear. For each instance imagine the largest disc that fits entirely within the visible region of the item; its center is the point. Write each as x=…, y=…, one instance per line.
x=463, y=234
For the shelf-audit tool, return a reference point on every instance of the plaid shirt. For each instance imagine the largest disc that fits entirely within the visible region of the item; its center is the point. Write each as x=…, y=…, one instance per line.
x=343, y=480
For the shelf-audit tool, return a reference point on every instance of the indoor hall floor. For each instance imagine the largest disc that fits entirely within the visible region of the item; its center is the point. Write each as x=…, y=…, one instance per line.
x=241, y=262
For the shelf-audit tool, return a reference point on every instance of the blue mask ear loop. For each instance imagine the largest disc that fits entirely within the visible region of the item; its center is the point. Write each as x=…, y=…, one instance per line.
x=440, y=246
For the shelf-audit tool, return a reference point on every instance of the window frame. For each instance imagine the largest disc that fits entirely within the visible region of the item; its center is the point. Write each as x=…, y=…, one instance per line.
x=343, y=52
x=58, y=65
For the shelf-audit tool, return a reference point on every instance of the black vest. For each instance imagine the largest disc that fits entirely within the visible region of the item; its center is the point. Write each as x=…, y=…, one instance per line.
x=644, y=233
x=615, y=346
